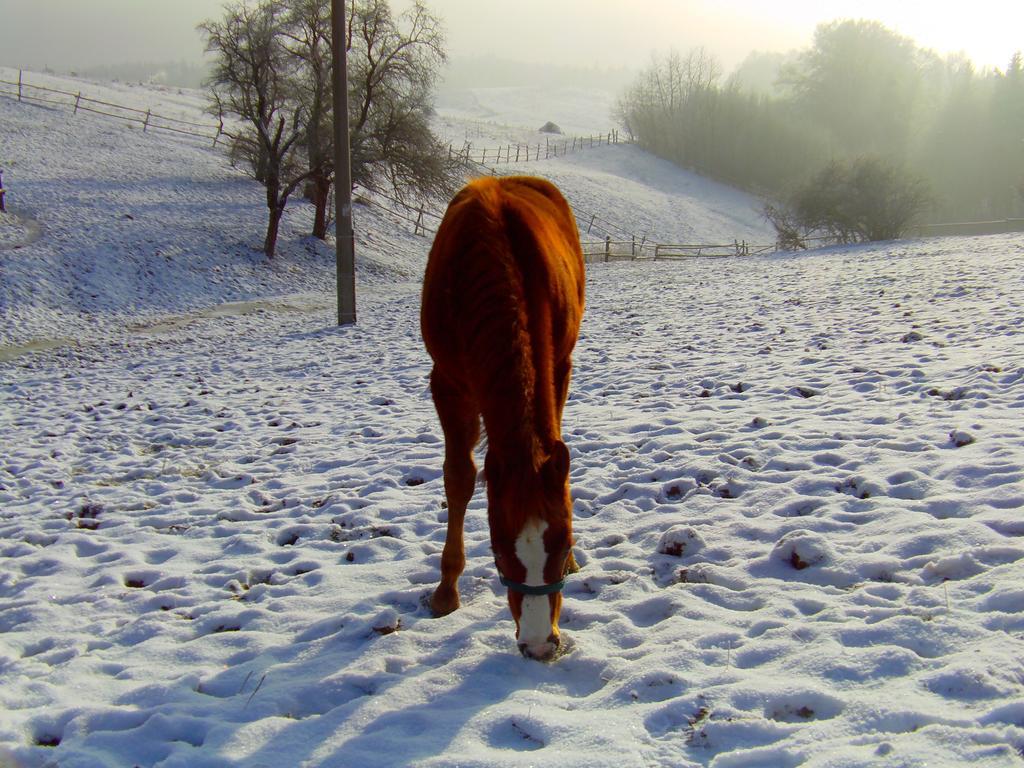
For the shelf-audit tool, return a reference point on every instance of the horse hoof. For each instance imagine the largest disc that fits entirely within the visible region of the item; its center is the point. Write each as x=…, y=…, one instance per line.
x=440, y=606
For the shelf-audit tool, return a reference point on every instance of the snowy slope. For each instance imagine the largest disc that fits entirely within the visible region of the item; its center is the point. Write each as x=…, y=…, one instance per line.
x=149, y=224
x=797, y=483
x=514, y=113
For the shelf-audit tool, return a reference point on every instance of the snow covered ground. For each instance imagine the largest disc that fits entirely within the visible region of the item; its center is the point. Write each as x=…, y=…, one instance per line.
x=798, y=483
x=514, y=114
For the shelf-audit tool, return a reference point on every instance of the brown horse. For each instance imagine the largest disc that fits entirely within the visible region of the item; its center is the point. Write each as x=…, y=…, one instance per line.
x=502, y=302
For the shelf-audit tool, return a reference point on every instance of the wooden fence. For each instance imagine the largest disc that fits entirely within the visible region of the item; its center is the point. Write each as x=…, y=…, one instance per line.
x=424, y=222
x=595, y=251
x=25, y=91
x=642, y=250
x=967, y=228
x=671, y=252
x=629, y=248
x=526, y=153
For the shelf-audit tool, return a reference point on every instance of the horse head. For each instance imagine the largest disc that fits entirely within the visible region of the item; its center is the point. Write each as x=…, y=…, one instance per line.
x=531, y=535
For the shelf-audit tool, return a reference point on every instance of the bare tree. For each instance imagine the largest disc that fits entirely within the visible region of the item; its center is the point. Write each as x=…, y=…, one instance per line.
x=274, y=71
x=652, y=105
x=308, y=37
x=393, y=65
x=255, y=78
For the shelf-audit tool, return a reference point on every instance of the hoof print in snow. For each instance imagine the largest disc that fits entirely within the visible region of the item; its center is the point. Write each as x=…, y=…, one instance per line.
x=725, y=490
x=696, y=733
x=679, y=541
x=739, y=387
x=514, y=736
x=796, y=562
x=960, y=438
x=692, y=576
x=790, y=715
x=859, y=488
x=47, y=740
x=759, y=422
x=951, y=395
x=87, y=516
x=387, y=623
x=909, y=338
x=800, y=707
x=287, y=538
x=677, y=490
x=803, y=549
x=413, y=480
x=805, y=392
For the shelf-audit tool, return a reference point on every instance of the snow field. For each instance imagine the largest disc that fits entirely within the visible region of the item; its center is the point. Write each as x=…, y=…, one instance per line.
x=797, y=485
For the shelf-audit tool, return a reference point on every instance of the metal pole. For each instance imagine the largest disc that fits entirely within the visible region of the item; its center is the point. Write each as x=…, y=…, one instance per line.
x=344, y=236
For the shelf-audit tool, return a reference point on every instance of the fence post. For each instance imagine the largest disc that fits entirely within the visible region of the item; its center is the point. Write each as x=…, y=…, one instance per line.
x=517, y=153
x=419, y=223
x=3, y=206
x=642, y=241
x=607, y=248
x=591, y=224
x=145, y=123
x=78, y=98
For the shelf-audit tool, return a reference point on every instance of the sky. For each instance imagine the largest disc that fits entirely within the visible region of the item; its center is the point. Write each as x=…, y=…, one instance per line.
x=65, y=34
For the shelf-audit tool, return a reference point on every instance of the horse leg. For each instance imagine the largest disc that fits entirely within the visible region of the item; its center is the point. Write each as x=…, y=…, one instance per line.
x=461, y=425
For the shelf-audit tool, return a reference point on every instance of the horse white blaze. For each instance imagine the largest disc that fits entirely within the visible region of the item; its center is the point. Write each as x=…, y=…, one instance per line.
x=535, y=619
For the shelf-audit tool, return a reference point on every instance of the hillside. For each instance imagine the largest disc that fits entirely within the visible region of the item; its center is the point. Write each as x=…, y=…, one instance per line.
x=143, y=225
x=796, y=484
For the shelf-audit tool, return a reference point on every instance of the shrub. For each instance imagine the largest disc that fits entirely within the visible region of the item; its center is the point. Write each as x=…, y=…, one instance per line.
x=867, y=199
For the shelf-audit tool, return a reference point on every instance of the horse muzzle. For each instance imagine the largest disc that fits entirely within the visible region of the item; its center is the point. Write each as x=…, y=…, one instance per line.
x=545, y=651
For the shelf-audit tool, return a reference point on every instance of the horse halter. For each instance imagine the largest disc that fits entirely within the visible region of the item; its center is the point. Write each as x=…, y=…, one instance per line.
x=528, y=589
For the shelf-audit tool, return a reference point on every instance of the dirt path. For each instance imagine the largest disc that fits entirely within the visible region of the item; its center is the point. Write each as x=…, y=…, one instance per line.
x=299, y=303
